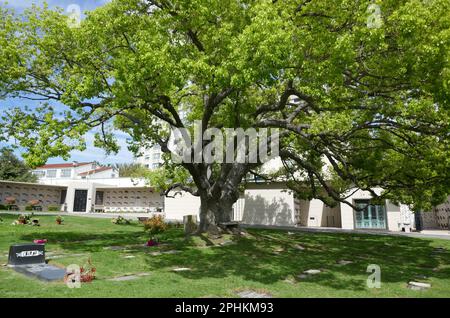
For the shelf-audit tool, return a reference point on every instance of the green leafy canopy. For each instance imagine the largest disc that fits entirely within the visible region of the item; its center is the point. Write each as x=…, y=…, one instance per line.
x=372, y=104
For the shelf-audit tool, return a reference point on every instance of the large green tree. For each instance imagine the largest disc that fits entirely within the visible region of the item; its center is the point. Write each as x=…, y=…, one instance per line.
x=131, y=170
x=12, y=169
x=371, y=81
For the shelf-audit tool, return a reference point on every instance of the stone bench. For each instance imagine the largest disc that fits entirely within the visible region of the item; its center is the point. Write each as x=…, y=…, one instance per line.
x=229, y=225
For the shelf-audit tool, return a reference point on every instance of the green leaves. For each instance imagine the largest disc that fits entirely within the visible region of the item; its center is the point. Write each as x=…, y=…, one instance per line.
x=13, y=169
x=371, y=105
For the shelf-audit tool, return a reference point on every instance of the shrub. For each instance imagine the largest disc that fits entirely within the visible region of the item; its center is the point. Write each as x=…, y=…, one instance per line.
x=3, y=207
x=120, y=220
x=27, y=219
x=10, y=200
x=34, y=202
x=59, y=219
x=155, y=225
x=175, y=225
x=28, y=208
x=22, y=219
x=53, y=208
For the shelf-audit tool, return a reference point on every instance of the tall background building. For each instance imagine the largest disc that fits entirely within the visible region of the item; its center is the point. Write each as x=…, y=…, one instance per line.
x=150, y=157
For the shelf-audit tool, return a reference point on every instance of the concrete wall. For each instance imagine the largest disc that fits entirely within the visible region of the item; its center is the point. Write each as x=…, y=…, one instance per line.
x=131, y=200
x=110, y=173
x=182, y=204
x=260, y=204
x=302, y=208
x=394, y=216
x=331, y=216
x=268, y=205
x=79, y=185
x=74, y=172
x=442, y=213
x=315, y=213
x=25, y=192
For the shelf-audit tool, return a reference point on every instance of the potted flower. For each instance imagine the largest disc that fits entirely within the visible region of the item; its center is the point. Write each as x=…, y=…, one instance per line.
x=59, y=220
x=10, y=200
x=35, y=204
x=11, y=203
x=22, y=219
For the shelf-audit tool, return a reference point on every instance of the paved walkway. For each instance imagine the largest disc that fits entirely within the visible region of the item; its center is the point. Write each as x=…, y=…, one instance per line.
x=424, y=234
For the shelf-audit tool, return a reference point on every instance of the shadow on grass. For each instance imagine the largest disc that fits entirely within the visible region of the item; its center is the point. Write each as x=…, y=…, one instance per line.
x=76, y=241
x=269, y=256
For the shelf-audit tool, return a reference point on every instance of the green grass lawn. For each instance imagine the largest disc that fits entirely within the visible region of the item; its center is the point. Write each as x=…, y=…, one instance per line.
x=262, y=261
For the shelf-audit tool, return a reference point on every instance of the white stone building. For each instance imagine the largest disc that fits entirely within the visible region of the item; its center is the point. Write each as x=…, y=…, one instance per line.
x=88, y=188
x=74, y=171
x=273, y=204
x=151, y=157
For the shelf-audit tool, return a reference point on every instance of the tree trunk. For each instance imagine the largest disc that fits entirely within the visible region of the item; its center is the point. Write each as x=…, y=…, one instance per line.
x=217, y=198
x=214, y=211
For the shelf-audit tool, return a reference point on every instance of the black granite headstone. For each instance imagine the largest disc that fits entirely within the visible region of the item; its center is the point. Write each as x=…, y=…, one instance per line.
x=42, y=271
x=24, y=254
x=29, y=259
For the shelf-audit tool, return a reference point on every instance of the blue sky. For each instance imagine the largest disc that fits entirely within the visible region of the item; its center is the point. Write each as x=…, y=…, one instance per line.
x=84, y=4
x=91, y=153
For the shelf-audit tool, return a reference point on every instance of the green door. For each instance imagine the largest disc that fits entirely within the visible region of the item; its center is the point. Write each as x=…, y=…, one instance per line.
x=371, y=216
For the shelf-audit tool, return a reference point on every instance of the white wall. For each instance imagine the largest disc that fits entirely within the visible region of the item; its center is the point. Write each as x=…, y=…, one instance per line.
x=148, y=158
x=262, y=204
x=268, y=205
x=315, y=213
x=25, y=192
x=106, y=174
x=394, y=217
x=183, y=204
x=81, y=169
x=91, y=185
x=393, y=213
x=107, y=182
x=74, y=172
x=347, y=213
x=79, y=185
x=130, y=200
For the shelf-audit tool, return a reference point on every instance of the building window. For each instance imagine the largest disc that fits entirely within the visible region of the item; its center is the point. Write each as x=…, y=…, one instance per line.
x=156, y=156
x=99, y=198
x=370, y=215
x=157, y=147
x=155, y=165
x=51, y=173
x=66, y=173
x=39, y=173
x=62, y=198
